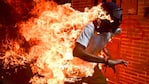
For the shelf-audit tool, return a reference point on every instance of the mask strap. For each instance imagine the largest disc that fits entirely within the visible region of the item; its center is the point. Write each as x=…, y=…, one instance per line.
x=117, y=13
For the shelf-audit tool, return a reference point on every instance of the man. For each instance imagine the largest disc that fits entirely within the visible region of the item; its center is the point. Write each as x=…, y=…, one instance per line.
x=94, y=39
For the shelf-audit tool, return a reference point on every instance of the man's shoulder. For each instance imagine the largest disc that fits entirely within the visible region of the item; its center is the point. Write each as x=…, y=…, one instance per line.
x=90, y=25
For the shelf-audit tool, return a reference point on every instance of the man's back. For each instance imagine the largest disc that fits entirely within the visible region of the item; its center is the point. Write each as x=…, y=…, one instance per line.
x=94, y=41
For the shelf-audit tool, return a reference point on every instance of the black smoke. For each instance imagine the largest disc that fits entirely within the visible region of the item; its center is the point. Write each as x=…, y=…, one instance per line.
x=9, y=17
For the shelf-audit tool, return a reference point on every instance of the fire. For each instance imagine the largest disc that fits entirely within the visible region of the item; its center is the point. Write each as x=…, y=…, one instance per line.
x=52, y=33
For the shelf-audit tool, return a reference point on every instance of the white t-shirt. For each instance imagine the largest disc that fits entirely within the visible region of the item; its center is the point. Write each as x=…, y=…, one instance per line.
x=93, y=41
x=86, y=35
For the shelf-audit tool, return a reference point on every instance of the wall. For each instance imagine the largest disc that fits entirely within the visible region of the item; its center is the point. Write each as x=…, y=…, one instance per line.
x=81, y=4
x=132, y=45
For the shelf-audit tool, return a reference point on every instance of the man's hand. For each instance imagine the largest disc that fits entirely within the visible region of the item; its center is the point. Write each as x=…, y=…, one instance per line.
x=112, y=63
x=115, y=62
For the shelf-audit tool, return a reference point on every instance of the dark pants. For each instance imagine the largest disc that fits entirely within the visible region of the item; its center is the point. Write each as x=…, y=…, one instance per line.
x=97, y=78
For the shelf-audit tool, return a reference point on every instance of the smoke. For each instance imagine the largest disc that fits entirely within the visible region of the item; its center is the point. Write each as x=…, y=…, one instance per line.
x=13, y=12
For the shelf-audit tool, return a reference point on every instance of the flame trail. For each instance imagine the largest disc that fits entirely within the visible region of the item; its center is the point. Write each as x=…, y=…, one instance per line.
x=52, y=33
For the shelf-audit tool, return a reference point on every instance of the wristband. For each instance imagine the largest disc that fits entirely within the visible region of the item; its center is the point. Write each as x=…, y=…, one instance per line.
x=106, y=61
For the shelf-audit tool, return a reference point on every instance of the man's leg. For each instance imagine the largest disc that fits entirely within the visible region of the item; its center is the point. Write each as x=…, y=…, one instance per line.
x=97, y=78
x=77, y=82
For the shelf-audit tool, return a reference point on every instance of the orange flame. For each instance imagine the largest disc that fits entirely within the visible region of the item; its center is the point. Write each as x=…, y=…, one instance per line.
x=54, y=31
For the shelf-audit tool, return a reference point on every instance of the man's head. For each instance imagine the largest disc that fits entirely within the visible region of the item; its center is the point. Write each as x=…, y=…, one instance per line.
x=112, y=9
x=116, y=15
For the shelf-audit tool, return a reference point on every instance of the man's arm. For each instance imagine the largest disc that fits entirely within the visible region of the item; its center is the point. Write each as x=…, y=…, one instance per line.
x=107, y=53
x=79, y=51
x=112, y=63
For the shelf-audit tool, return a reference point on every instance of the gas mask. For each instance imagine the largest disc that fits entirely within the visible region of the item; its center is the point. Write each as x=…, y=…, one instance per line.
x=116, y=16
